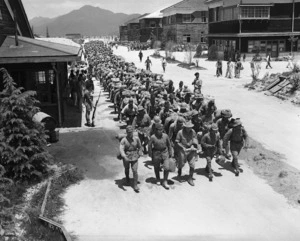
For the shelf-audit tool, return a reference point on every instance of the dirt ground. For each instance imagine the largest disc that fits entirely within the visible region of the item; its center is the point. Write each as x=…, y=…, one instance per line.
x=260, y=204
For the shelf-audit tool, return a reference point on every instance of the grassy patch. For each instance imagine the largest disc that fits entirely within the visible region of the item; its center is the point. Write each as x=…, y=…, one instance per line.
x=55, y=202
x=34, y=229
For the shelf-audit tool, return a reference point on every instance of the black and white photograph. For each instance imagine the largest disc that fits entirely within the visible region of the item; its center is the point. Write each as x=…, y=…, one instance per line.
x=161, y=120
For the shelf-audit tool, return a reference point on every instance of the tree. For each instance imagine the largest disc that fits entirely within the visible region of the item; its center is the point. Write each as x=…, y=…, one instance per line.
x=22, y=140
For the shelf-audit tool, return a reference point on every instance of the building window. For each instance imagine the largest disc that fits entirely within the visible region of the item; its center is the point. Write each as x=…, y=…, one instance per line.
x=229, y=13
x=152, y=24
x=282, y=46
x=265, y=46
x=187, y=38
x=204, y=17
x=202, y=38
x=41, y=77
x=255, y=12
x=1, y=17
x=186, y=18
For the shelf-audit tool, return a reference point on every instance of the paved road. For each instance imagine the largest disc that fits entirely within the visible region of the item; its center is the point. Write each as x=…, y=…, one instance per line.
x=101, y=208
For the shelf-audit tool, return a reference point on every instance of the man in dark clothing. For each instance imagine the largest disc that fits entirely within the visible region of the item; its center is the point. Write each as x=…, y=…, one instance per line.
x=238, y=138
x=269, y=61
x=141, y=56
x=160, y=150
x=148, y=63
x=211, y=146
x=130, y=148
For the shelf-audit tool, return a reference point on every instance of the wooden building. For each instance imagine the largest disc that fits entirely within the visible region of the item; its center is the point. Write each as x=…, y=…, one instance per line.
x=123, y=33
x=251, y=26
x=186, y=22
x=133, y=28
x=151, y=27
x=34, y=64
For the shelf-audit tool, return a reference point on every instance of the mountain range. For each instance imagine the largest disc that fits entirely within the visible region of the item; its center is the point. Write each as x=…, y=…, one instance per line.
x=88, y=20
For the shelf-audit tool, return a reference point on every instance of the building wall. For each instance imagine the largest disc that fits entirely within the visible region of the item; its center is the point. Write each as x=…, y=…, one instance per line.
x=150, y=29
x=123, y=33
x=194, y=32
x=133, y=31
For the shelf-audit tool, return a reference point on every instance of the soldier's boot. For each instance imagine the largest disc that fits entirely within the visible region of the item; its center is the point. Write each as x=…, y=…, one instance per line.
x=165, y=181
x=127, y=177
x=157, y=175
x=209, y=170
x=135, y=182
x=235, y=165
x=179, y=175
x=190, y=180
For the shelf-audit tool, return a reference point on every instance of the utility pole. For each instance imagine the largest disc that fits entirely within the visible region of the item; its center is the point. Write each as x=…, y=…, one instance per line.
x=293, y=38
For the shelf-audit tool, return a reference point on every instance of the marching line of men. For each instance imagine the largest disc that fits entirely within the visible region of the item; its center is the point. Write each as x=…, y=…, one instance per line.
x=174, y=127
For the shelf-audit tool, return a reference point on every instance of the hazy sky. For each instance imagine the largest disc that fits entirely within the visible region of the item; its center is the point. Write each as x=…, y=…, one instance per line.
x=54, y=8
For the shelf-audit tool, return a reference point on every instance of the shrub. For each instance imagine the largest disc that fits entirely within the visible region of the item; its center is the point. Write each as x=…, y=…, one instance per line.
x=295, y=82
x=198, y=51
x=212, y=52
x=22, y=141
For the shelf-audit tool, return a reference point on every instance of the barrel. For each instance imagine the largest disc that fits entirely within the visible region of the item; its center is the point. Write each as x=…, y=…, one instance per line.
x=48, y=121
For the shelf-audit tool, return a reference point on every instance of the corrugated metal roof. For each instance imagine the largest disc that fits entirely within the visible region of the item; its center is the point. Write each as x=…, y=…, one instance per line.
x=257, y=34
x=258, y=2
x=156, y=14
x=192, y=5
x=136, y=20
x=31, y=50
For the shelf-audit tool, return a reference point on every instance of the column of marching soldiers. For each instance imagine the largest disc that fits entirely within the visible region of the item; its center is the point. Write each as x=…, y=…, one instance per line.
x=174, y=127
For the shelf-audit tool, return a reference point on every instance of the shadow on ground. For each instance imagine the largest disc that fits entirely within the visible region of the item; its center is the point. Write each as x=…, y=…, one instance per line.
x=93, y=151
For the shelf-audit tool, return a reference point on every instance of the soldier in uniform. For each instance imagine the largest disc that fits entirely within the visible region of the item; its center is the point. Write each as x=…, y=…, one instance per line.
x=198, y=102
x=88, y=104
x=211, y=146
x=175, y=128
x=165, y=112
x=223, y=126
x=238, y=138
x=142, y=123
x=197, y=84
x=130, y=150
x=148, y=63
x=160, y=150
x=129, y=111
x=187, y=150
